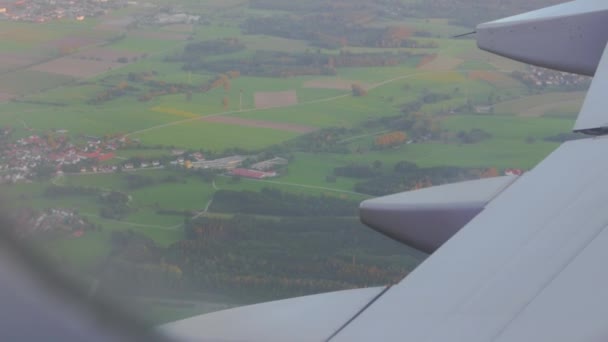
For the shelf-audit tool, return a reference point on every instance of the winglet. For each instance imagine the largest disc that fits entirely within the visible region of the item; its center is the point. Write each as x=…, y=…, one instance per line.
x=425, y=219
x=569, y=37
x=593, y=118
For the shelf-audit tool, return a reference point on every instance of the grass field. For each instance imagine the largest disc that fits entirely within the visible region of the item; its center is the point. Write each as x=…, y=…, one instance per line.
x=214, y=136
x=539, y=105
x=30, y=81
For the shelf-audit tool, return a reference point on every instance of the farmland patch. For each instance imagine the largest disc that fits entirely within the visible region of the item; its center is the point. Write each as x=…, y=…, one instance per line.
x=187, y=28
x=71, y=43
x=11, y=60
x=159, y=35
x=174, y=111
x=5, y=97
x=260, y=124
x=493, y=77
x=336, y=83
x=115, y=24
x=23, y=82
x=441, y=62
x=538, y=105
x=214, y=136
x=275, y=99
x=80, y=68
x=108, y=54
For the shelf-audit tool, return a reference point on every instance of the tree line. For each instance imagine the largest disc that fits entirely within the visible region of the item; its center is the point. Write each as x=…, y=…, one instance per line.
x=274, y=202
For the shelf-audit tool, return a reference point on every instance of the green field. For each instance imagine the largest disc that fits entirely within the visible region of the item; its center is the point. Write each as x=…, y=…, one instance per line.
x=545, y=104
x=214, y=136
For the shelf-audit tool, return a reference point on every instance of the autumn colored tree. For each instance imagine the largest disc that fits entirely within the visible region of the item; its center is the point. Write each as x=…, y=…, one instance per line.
x=394, y=36
x=489, y=173
x=123, y=85
x=390, y=139
x=233, y=74
x=220, y=81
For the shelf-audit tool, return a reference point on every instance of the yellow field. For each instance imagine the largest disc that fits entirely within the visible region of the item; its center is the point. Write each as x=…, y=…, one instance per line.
x=493, y=77
x=441, y=62
x=175, y=112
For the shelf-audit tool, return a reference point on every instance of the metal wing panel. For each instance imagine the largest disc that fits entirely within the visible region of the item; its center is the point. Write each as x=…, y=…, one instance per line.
x=574, y=306
x=493, y=271
x=308, y=318
x=427, y=218
x=568, y=37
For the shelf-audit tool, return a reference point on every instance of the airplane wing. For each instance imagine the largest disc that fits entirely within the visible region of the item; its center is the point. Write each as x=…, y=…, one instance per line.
x=523, y=258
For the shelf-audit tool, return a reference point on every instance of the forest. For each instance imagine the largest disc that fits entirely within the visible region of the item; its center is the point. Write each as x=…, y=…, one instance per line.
x=282, y=64
x=407, y=176
x=269, y=201
x=254, y=258
x=334, y=31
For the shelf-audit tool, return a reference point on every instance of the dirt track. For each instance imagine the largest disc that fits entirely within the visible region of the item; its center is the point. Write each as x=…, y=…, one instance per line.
x=275, y=99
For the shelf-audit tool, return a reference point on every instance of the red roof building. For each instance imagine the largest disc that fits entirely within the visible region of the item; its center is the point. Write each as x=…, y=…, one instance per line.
x=105, y=156
x=513, y=172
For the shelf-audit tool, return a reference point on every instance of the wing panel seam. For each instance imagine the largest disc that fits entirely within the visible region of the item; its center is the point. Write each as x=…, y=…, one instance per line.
x=358, y=313
x=549, y=282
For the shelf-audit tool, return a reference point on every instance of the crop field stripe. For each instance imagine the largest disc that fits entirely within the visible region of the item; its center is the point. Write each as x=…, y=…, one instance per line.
x=174, y=111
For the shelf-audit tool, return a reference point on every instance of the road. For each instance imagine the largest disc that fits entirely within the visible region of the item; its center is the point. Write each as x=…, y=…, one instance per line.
x=305, y=186
x=328, y=99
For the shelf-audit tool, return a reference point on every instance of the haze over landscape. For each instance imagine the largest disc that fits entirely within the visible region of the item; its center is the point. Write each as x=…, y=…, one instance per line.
x=189, y=156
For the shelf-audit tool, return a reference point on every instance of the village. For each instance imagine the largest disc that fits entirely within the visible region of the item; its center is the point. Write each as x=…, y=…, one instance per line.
x=52, y=221
x=52, y=153
x=46, y=10
x=541, y=77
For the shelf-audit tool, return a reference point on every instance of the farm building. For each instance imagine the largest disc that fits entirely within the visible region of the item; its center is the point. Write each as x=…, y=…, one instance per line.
x=254, y=174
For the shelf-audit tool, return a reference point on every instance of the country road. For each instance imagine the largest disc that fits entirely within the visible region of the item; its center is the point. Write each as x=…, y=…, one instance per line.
x=328, y=99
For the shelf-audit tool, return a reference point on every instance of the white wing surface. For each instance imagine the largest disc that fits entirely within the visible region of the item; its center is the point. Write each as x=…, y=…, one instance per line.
x=527, y=268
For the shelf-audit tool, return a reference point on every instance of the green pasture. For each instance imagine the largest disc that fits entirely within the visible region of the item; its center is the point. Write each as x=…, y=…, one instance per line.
x=69, y=94
x=539, y=105
x=312, y=169
x=144, y=44
x=342, y=110
x=312, y=186
x=499, y=153
x=216, y=30
x=80, y=253
x=123, y=115
x=262, y=42
x=214, y=136
x=475, y=65
x=191, y=195
x=30, y=81
x=507, y=127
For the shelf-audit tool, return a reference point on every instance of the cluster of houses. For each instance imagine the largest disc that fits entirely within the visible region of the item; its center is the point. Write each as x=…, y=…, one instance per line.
x=20, y=159
x=168, y=15
x=231, y=164
x=541, y=77
x=262, y=169
x=46, y=10
x=56, y=221
x=52, y=153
